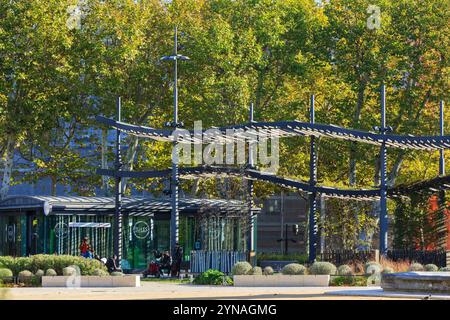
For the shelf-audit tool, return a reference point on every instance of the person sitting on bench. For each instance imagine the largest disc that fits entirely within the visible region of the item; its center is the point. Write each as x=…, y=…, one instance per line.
x=166, y=262
x=112, y=265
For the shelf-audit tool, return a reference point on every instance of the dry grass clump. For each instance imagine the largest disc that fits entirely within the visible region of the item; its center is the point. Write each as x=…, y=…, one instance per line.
x=358, y=267
x=397, y=266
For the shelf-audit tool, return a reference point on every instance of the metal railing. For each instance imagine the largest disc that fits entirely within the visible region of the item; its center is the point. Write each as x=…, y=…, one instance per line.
x=437, y=257
x=219, y=260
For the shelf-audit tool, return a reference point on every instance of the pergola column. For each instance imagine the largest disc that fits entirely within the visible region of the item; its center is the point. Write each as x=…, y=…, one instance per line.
x=118, y=225
x=313, y=227
x=251, y=163
x=383, y=188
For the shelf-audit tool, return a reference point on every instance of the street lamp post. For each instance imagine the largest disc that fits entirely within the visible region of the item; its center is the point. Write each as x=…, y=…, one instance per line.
x=174, y=216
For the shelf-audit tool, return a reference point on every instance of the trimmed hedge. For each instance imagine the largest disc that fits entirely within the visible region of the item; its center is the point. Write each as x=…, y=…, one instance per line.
x=268, y=271
x=431, y=267
x=344, y=270
x=5, y=273
x=25, y=276
x=293, y=269
x=416, y=267
x=100, y=273
x=241, y=268
x=39, y=273
x=322, y=267
x=55, y=262
x=50, y=273
x=256, y=271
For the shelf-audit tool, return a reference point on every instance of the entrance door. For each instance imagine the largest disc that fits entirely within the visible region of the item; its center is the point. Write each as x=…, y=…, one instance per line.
x=12, y=237
x=17, y=240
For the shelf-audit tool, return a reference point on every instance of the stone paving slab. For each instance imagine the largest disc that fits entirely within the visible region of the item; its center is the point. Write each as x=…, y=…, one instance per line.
x=158, y=290
x=378, y=292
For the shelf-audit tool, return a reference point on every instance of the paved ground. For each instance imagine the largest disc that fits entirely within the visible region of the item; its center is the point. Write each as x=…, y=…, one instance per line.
x=159, y=290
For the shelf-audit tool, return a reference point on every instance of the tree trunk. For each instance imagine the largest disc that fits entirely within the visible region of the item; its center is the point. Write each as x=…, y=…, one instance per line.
x=8, y=165
x=53, y=179
x=356, y=119
x=131, y=153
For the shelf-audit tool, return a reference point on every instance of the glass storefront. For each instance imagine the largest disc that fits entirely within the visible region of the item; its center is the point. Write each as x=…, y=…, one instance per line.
x=29, y=233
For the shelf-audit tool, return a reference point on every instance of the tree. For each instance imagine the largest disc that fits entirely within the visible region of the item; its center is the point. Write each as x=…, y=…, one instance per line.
x=33, y=73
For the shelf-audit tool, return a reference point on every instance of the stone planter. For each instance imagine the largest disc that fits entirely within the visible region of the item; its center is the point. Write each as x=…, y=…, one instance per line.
x=424, y=282
x=91, y=281
x=281, y=280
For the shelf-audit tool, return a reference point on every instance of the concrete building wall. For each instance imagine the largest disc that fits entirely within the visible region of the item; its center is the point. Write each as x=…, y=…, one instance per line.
x=277, y=212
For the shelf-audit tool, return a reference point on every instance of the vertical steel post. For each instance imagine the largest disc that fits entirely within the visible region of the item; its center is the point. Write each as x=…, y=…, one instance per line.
x=313, y=228
x=441, y=127
x=441, y=155
x=383, y=188
x=174, y=216
x=251, y=163
x=118, y=191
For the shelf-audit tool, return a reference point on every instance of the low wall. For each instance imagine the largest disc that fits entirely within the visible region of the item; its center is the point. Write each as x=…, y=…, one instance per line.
x=91, y=281
x=424, y=282
x=281, y=280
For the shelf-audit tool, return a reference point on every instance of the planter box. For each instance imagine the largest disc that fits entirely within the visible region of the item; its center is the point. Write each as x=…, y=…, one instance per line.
x=424, y=282
x=280, y=280
x=91, y=281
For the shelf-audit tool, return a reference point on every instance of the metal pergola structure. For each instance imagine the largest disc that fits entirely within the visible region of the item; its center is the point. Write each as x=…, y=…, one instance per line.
x=248, y=133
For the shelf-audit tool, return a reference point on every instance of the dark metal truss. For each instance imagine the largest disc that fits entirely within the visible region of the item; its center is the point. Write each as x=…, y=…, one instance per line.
x=214, y=171
x=430, y=186
x=280, y=129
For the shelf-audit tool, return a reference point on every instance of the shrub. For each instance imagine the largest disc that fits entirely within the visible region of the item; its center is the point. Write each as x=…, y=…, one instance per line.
x=372, y=267
x=257, y=271
x=212, y=277
x=268, y=271
x=100, y=273
x=322, y=268
x=7, y=262
x=51, y=273
x=5, y=273
x=45, y=262
x=293, y=268
x=117, y=274
x=69, y=271
x=25, y=276
x=445, y=269
x=39, y=273
x=241, y=268
x=431, y=267
x=416, y=267
x=344, y=270
x=387, y=270
x=359, y=281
